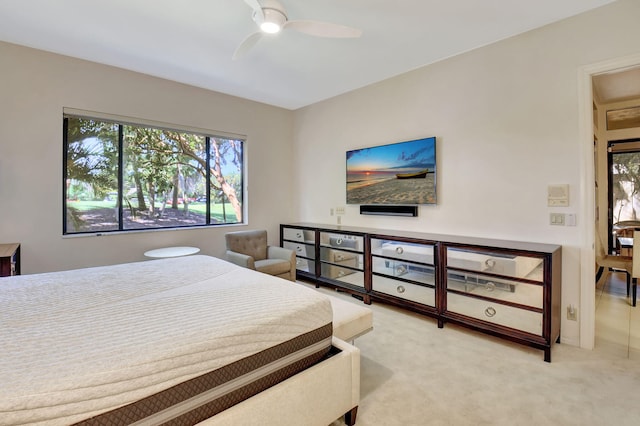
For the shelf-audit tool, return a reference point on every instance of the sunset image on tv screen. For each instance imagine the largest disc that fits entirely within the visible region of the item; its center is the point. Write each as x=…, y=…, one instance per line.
x=399, y=174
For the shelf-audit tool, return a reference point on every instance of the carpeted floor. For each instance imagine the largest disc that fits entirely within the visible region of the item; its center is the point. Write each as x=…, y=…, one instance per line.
x=413, y=373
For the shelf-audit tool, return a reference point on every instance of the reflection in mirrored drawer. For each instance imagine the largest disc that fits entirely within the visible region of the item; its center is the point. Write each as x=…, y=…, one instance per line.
x=301, y=250
x=496, y=263
x=295, y=234
x=406, y=270
x=520, y=319
x=341, y=257
x=345, y=242
x=305, y=265
x=475, y=261
x=499, y=289
x=408, y=291
x=345, y=275
x=401, y=250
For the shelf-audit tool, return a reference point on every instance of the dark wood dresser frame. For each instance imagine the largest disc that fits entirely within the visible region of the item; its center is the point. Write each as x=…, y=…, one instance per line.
x=9, y=259
x=550, y=255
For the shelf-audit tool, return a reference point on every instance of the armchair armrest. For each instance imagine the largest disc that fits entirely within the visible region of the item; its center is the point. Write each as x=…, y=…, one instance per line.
x=241, y=259
x=277, y=252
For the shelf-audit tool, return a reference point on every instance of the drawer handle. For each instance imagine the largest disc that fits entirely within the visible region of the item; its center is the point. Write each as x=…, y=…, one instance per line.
x=299, y=235
x=401, y=289
x=341, y=273
x=490, y=263
x=490, y=286
x=401, y=269
x=339, y=241
x=490, y=312
x=399, y=250
x=339, y=257
x=299, y=249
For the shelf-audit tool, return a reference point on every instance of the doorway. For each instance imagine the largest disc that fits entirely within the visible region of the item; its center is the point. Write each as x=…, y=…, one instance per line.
x=595, y=202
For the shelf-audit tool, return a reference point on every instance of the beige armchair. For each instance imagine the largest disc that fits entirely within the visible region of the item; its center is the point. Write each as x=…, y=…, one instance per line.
x=250, y=250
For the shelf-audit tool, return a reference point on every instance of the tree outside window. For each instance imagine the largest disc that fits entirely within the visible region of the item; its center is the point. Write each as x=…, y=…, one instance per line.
x=121, y=177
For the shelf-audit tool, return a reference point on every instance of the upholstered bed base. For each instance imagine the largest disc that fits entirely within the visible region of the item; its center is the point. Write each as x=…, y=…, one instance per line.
x=316, y=396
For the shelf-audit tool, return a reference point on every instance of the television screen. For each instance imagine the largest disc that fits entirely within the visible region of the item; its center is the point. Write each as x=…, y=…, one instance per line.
x=398, y=174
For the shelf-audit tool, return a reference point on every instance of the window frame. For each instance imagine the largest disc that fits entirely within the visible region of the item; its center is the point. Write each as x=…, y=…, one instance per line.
x=209, y=137
x=614, y=149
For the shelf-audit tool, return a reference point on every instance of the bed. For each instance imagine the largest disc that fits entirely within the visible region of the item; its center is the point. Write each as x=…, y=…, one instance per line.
x=171, y=341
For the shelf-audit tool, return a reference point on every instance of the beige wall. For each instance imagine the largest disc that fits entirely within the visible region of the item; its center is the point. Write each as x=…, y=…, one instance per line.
x=34, y=88
x=507, y=121
x=506, y=117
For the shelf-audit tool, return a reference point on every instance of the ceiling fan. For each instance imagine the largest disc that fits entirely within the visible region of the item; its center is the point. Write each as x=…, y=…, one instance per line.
x=271, y=17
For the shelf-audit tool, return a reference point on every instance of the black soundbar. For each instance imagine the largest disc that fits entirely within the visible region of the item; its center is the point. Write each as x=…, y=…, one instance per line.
x=389, y=210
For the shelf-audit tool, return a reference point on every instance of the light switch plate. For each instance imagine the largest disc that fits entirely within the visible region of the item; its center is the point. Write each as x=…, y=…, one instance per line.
x=556, y=219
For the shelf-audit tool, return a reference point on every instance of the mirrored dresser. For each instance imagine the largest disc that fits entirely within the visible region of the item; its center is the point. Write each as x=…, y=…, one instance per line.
x=504, y=288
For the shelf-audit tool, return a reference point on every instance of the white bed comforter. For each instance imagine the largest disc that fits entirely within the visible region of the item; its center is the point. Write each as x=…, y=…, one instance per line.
x=77, y=343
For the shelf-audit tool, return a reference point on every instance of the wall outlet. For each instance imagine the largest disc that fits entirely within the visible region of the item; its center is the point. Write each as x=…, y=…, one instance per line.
x=331, y=211
x=572, y=313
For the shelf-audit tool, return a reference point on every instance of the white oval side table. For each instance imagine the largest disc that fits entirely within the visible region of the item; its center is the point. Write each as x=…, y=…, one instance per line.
x=171, y=252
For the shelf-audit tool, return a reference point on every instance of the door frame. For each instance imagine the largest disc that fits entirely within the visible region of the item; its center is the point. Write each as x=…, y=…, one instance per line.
x=587, y=182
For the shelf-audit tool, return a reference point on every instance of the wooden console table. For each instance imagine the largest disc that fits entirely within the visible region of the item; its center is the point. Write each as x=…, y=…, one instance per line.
x=9, y=259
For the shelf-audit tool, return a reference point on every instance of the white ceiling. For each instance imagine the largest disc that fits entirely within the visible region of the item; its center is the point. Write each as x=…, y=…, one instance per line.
x=192, y=41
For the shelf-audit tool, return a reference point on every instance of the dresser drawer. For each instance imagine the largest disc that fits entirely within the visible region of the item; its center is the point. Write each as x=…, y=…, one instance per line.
x=305, y=265
x=301, y=250
x=301, y=235
x=464, y=259
x=519, y=319
x=403, y=251
x=496, y=263
x=343, y=274
x=403, y=290
x=498, y=289
x=516, y=266
x=341, y=257
x=409, y=271
x=340, y=241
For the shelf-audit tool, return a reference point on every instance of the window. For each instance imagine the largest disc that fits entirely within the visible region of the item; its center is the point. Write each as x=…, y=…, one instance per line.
x=624, y=188
x=121, y=177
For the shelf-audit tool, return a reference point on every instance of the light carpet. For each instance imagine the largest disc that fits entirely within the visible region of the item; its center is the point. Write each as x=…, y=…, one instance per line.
x=413, y=373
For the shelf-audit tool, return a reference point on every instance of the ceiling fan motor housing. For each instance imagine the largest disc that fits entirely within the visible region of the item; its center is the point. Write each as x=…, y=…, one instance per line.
x=272, y=18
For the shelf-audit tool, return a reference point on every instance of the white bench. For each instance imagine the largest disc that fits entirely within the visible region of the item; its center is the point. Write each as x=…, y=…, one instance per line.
x=350, y=320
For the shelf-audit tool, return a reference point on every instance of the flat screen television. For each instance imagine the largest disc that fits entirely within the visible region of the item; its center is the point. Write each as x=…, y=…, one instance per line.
x=402, y=173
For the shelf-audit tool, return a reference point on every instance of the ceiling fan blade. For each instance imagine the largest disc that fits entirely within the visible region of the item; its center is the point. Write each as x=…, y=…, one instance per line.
x=323, y=29
x=247, y=44
x=257, y=8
